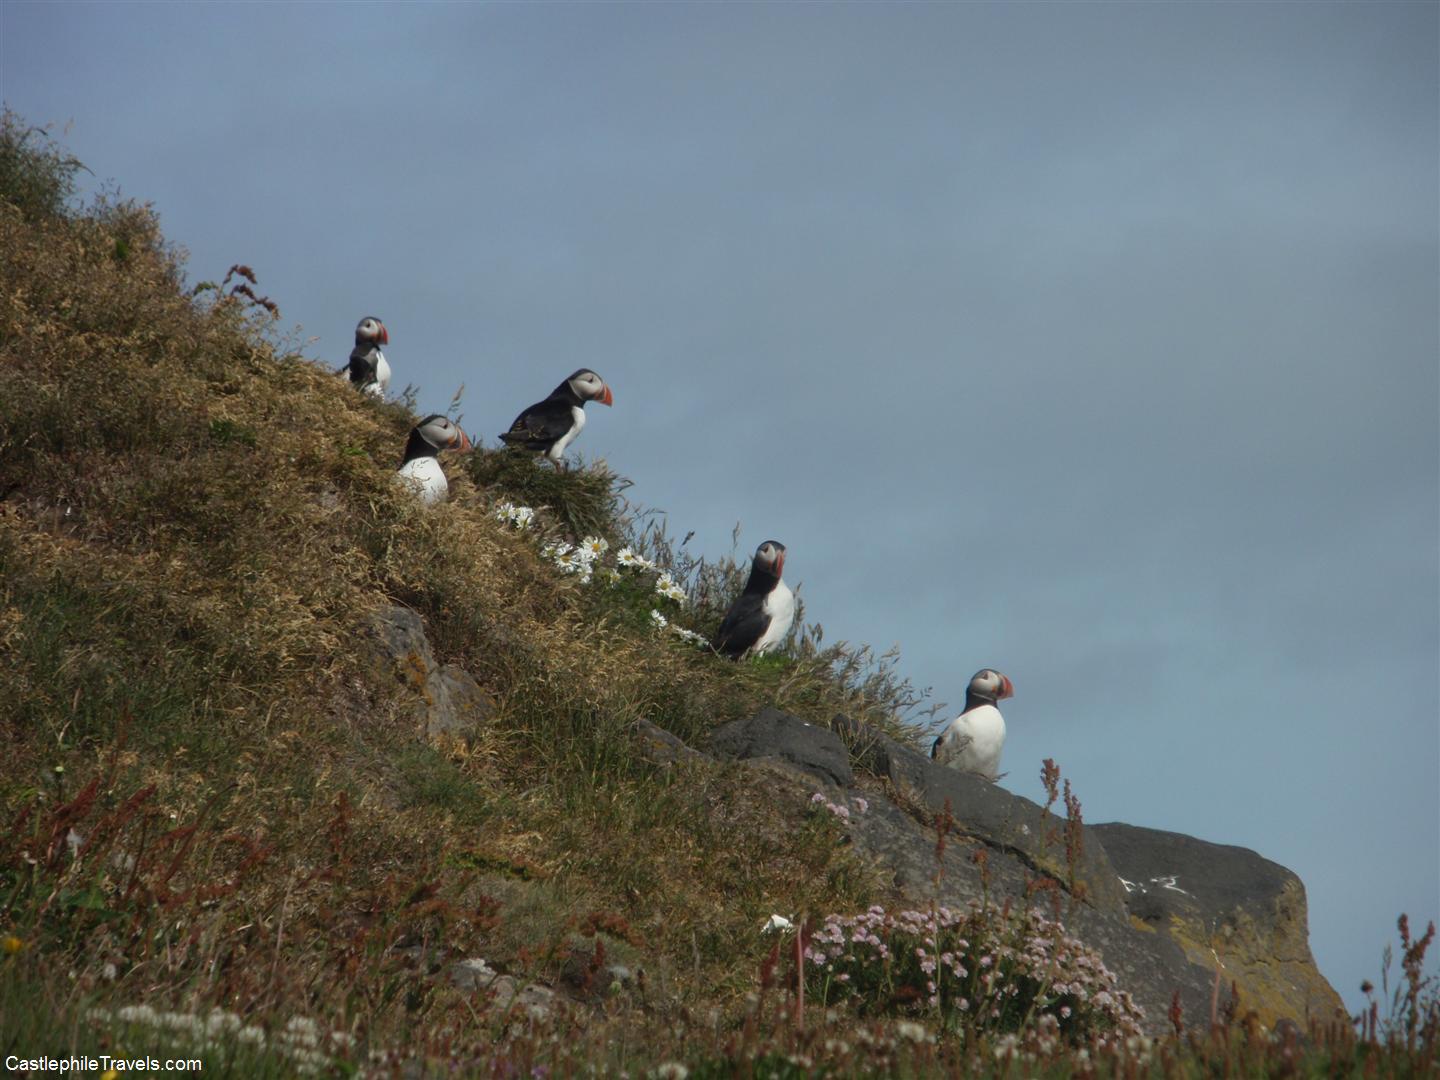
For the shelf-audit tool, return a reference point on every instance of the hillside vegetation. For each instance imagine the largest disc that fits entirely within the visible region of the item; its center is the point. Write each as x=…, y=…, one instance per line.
x=215, y=796
x=195, y=526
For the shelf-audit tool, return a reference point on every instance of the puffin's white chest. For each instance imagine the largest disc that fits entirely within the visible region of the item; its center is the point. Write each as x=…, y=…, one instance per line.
x=424, y=476
x=973, y=742
x=556, y=452
x=382, y=376
x=780, y=606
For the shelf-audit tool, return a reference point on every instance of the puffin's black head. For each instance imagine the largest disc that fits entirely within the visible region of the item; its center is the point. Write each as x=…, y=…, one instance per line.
x=433, y=434
x=587, y=386
x=769, y=559
x=371, y=331
x=989, y=686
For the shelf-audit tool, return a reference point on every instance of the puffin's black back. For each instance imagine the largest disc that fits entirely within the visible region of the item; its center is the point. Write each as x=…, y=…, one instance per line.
x=363, y=365
x=746, y=622
x=541, y=425
x=545, y=423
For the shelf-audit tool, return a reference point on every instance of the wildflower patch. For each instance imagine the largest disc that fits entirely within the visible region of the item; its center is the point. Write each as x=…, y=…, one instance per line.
x=979, y=969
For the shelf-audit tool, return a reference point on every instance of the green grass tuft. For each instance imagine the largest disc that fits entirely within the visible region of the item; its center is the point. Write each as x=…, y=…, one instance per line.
x=582, y=501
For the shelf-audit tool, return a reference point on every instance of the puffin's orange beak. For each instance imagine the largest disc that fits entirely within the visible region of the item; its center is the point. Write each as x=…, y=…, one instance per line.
x=464, y=442
x=384, y=335
x=606, y=398
x=1007, y=688
x=780, y=565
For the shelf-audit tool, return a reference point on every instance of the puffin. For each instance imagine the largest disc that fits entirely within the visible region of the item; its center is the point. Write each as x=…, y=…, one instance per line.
x=761, y=616
x=973, y=740
x=368, y=369
x=421, y=468
x=551, y=425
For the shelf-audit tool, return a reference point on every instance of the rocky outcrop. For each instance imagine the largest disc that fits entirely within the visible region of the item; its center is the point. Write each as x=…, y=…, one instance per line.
x=502, y=992
x=1231, y=911
x=1166, y=911
x=783, y=738
x=1011, y=826
x=1157, y=941
x=445, y=699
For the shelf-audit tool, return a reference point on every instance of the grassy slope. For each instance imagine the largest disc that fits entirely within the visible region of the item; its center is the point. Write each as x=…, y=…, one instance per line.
x=194, y=528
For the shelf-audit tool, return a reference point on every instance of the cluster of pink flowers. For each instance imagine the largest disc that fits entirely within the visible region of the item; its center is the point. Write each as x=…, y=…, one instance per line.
x=840, y=810
x=978, y=967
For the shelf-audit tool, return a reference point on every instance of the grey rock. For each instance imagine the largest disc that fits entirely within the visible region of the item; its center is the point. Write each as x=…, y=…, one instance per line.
x=458, y=705
x=1168, y=874
x=987, y=812
x=472, y=974
x=504, y=993
x=774, y=734
x=1157, y=941
x=1229, y=910
x=1151, y=940
x=397, y=632
x=663, y=748
x=445, y=699
x=539, y=1001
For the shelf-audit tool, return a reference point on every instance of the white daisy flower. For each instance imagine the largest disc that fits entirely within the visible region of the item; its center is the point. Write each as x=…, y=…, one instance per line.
x=626, y=557
x=665, y=585
x=658, y=619
x=521, y=515
x=595, y=546
x=689, y=635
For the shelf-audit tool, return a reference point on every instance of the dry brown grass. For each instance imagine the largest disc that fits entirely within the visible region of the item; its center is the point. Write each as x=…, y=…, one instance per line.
x=195, y=526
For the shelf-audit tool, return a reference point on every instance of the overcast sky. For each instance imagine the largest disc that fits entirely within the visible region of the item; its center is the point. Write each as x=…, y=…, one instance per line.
x=1093, y=342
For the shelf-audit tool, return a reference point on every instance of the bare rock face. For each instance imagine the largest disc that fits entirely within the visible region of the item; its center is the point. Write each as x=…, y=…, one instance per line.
x=1230, y=911
x=447, y=700
x=1156, y=951
x=782, y=737
x=1014, y=827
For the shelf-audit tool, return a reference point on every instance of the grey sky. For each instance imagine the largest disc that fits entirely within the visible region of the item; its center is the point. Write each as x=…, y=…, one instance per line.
x=1096, y=343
